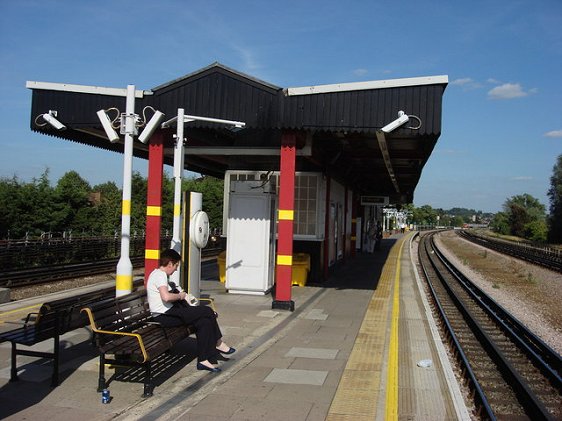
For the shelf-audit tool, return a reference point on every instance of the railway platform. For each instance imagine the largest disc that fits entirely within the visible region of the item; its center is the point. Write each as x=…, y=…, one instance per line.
x=361, y=346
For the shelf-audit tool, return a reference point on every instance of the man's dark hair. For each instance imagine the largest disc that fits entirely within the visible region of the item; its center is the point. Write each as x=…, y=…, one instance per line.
x=168, y=256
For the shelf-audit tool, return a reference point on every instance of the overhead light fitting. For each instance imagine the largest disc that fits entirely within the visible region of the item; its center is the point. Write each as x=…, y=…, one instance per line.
x=50, y=118
x=402, y=119
x=189, y=118
x=107, y=124
x=151, y=126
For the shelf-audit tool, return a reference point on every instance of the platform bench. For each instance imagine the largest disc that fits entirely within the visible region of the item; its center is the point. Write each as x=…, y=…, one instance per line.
x=125, y=330
x=53, y=319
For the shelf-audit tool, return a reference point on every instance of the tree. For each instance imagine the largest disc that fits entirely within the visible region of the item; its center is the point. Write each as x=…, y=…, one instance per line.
x=555, y=196
x=525, y=215
x=212, y=190
x=424, y=215
x=139, y=187
x=72, y=203
x=107, y=210
x=500, y=223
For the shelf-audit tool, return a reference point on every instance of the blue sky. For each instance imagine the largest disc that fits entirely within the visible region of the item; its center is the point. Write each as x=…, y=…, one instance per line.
x=502, y=110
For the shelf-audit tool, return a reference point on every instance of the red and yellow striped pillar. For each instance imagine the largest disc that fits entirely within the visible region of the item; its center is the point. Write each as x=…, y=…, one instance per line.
x=285, y=218
x=154, y=203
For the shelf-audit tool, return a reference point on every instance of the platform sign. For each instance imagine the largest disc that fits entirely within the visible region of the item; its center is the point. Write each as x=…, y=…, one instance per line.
x=374, y=200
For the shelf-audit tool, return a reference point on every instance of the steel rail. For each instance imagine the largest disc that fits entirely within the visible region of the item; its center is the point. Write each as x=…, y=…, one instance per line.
x=53, y=273
x=539, y=256
x=542, y=354
x=480, y=398
x=537, y=351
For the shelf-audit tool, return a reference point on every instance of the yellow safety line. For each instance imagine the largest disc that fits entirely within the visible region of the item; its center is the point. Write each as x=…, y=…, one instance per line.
x=17, y=310
x=391, y=407
x=356, y=397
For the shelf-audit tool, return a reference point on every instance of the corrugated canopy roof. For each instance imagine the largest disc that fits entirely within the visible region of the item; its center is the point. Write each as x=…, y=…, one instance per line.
x=337, y=124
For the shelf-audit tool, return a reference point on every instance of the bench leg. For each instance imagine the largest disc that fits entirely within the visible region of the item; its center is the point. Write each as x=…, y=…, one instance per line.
x=55, y=378
x=148, y=386
x=101, y=379
x=14, y=370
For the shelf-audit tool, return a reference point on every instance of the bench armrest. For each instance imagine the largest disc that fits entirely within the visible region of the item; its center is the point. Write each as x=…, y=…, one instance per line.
x=111, y=332
x=28, y=317
x=211, y=302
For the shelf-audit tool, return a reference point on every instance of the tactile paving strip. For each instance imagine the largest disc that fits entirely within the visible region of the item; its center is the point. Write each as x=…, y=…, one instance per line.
x=359, y=388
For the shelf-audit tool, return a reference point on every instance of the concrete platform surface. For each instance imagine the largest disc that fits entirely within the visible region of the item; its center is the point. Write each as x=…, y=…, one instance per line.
x=288, y=366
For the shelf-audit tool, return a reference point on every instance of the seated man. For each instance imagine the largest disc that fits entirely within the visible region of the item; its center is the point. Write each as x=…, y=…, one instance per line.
x=169, y=307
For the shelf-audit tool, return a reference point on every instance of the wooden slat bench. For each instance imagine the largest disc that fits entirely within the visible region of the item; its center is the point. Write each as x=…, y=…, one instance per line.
x=53, y=319
x=125, y=329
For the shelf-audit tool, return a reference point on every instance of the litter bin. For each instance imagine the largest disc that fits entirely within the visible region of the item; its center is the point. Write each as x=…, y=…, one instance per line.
x=301, y=267
x=221, y=259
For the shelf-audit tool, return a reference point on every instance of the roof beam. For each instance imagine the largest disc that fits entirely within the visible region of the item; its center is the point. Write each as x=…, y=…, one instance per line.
x=381, y=137
x=85, y=89
x=374, y=84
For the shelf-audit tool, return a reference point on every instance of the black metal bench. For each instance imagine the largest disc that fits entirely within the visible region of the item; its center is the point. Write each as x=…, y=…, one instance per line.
x=125, y=329
x=53, y=319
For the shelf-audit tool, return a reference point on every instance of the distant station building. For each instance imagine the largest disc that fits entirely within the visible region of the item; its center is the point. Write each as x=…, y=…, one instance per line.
x=310, y=171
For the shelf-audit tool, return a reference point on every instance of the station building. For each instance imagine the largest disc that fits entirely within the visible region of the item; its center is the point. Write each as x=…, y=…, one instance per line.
x=307, y=174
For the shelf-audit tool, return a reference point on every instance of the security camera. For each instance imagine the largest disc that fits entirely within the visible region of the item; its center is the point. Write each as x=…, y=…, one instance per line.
x=151, y=126
x=402, y=119
x=50, y=118
x=106, y=123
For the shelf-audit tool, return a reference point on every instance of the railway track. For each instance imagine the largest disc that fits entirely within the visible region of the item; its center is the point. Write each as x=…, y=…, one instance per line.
x=548, y=258
x=511, y=372
x=52, y=273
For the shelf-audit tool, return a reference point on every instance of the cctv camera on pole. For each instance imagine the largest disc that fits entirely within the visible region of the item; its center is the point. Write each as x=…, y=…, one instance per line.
x=107, y=126
x=50, y=118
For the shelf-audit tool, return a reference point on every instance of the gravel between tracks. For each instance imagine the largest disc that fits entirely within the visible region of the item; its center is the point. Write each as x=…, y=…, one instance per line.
x=57, y=286
x=530, y=293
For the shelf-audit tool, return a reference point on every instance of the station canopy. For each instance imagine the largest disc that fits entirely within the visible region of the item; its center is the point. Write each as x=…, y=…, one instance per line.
x=336, y=125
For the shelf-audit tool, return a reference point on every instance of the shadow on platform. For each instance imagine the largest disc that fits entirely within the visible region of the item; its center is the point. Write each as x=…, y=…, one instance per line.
x=360, y=272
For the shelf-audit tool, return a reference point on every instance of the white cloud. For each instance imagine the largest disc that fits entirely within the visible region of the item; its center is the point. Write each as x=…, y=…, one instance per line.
x=360, y=72
x=508, y=91
x=462, y=81
x=553, y=133
x=522, y=178
x=466, y=83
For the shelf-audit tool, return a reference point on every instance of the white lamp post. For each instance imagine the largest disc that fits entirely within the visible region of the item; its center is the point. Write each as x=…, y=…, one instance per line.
x=129, y=127
x=179, y=157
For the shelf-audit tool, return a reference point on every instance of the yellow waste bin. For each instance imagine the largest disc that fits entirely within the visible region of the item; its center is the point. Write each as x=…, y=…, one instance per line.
x=301, y=267
x=221, y=259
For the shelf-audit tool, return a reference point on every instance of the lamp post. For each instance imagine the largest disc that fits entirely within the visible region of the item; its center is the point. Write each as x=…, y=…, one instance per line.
x=129, y=122
x=124, y=278
x=179, y=158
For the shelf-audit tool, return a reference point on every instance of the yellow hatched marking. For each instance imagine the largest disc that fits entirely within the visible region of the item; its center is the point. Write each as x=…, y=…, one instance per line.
x=153, y=211
x=286, y=215
x=358, y=392
x=126, y=207
x=284, y=260
x=152, y=254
